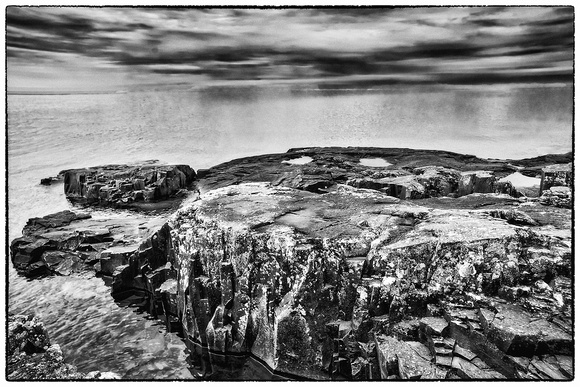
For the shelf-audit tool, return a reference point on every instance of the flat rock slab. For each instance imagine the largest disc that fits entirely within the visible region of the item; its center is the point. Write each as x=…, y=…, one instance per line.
x=406, y=359
x=263, y=208
x=518, y=333
x=434, y=326
x=474, y=370
x=68, y=243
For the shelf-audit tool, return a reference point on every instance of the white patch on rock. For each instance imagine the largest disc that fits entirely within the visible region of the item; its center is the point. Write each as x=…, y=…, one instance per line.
x=559, y=299
x=520, y=181
x=465, y=269
x=374, y=162
x=299, y=161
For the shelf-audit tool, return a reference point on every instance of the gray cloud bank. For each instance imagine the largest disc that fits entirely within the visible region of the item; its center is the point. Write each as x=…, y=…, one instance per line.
x=76, y=48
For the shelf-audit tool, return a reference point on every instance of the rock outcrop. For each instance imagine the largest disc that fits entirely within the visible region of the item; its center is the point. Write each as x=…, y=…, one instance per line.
x=124, y=185
x=427, y=268
x=67, y=243
x=408, y=174
x=557, y=175
x=301, y=280
x=557, y=196
x=30, y=355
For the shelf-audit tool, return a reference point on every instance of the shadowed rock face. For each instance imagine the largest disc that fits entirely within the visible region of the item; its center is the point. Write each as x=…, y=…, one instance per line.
x=332, y=269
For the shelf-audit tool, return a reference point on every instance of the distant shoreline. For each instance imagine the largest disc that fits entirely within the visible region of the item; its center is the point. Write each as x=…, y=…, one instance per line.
x=318, y=85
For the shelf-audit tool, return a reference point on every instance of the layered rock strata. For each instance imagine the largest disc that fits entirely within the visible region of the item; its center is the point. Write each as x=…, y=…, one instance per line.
x=122, y=185
x=321, y=271
x=69, y=243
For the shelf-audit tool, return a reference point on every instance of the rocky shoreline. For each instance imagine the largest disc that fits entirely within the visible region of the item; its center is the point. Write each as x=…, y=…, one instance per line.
x=30, y=355
x=335, y=263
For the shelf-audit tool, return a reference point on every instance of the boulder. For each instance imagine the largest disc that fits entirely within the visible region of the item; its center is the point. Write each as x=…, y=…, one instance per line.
x=476, y=182
x=306, y=178
x=438, y=181
x=402, y=187
x=557, y=196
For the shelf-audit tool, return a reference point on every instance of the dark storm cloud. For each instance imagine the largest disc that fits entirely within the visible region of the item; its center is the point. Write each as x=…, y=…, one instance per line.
x=432, y=44
x=350, y=14
x=64, y=25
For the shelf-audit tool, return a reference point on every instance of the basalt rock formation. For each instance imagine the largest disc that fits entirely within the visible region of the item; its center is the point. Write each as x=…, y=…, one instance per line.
x=126, y=185
x=555, y=185
x=410, y=174
x=427, y=268
x=315, y=285
x=67, y=243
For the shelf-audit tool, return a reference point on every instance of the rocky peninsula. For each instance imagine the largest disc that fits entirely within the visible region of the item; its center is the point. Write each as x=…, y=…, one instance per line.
x=335, y=263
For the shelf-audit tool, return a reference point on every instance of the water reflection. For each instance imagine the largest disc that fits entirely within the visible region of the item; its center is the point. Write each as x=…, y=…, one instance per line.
x=95, y=333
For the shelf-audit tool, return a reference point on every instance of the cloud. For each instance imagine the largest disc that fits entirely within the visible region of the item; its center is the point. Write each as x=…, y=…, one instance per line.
x=436, y=44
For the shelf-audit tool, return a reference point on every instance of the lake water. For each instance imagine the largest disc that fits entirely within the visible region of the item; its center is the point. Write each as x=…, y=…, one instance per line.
x=49, y=133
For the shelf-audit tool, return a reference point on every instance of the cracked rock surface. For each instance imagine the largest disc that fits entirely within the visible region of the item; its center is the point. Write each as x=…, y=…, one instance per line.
x=272, y=271
x=426, y=268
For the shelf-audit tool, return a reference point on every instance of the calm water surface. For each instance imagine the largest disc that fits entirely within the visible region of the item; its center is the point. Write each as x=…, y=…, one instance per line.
x=49, y=133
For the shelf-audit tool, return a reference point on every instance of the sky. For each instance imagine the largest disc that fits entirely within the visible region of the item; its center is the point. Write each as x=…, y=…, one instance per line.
x=108, y=49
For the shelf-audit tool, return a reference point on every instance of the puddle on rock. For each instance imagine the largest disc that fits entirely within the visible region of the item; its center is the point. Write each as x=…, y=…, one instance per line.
x=374, y=162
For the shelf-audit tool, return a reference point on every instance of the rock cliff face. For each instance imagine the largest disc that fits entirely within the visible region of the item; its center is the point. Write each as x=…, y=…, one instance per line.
x=315, y=285
x=428, y=268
